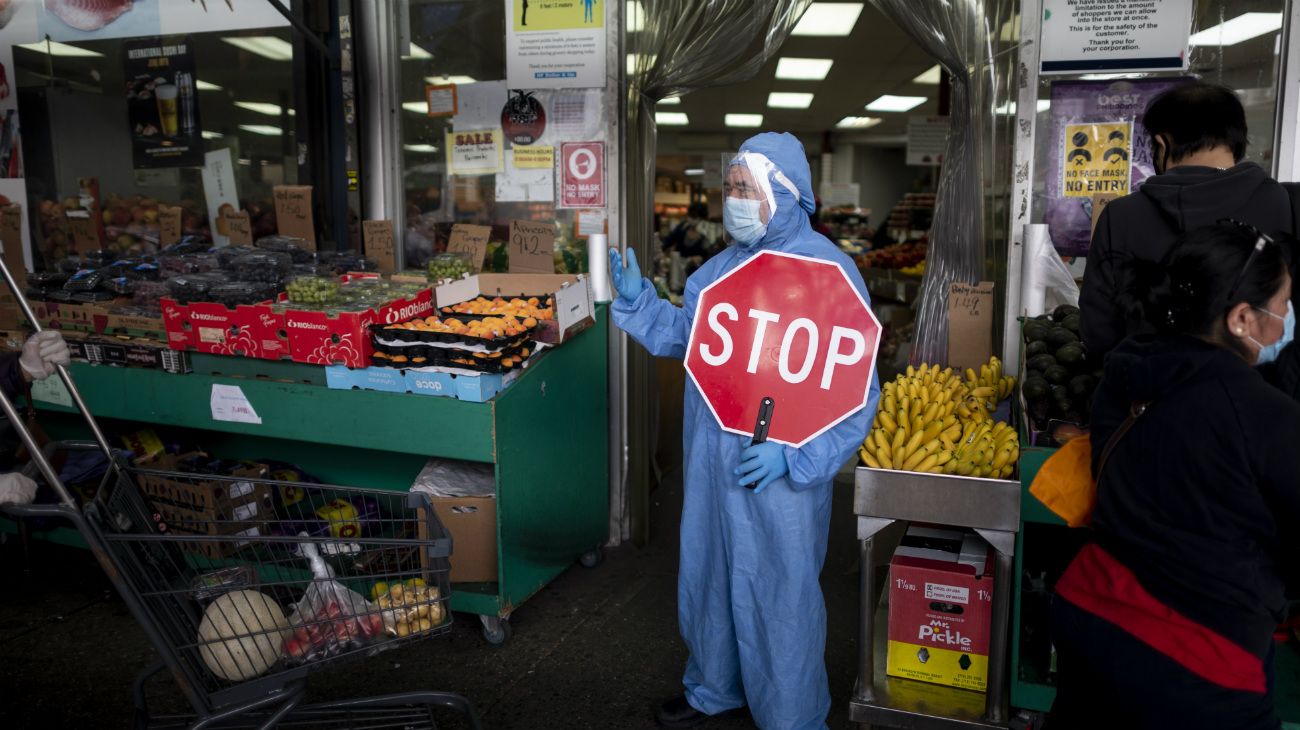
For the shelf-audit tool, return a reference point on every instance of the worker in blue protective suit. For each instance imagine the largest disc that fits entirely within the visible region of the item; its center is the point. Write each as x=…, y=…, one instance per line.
x=749, y=603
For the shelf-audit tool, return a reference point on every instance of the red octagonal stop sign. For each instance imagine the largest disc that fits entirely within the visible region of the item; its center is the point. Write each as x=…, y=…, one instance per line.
x=790, y=327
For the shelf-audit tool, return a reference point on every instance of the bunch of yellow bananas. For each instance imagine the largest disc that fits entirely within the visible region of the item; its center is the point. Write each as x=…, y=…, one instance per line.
x=989, y=383
x=931, y=421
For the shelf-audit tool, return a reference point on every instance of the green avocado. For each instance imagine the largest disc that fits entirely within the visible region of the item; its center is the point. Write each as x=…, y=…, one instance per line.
x=1035, y=389
x=1035, y=331
x=1041, y=363
x=1065, y=310
x=1060, y=337
x=1056, y=375
x=1036, y=348
x=1073, y=323
x=1070, y=355
x=1081, y=387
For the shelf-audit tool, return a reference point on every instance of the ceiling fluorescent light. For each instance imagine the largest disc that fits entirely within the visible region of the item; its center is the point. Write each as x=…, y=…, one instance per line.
x=891, y=103
x=419, y=148
x=418, y=54
x=670, y=101
x=419, y=107
x=744, y=120
x=631, y=61
x=694, y=171
x=202, y=85
x=55, y=48
x=1238, y=30
x=266, y=46
x=1011, y=30
x=803, y=69
x=261, y=107
x=929, y=77
x=444, y=80
x=266, y=129
x=635, y=16
x=212, y=135
x=828, y=19
x=789, y=100
x=859, y=122
x=672, y=119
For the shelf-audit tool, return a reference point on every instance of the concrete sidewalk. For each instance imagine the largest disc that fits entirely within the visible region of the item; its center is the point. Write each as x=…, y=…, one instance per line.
x=595, y=649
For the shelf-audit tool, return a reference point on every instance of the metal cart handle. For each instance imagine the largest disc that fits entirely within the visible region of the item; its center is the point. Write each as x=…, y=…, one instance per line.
x=7, y=404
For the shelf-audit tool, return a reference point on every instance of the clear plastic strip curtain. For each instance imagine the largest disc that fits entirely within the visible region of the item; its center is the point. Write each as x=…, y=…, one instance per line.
x=676, y=47
x=961, y=35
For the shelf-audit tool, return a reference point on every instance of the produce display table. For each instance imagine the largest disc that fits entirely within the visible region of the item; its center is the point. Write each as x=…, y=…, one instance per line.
x=991, y=507
x=1045, y=540
x=546, y=434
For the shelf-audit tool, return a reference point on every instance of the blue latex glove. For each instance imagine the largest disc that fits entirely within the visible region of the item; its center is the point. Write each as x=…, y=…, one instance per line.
x=628, y=282
x=763, y=463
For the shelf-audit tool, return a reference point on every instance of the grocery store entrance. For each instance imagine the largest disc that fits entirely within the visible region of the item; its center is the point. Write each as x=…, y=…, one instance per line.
x=849, y=84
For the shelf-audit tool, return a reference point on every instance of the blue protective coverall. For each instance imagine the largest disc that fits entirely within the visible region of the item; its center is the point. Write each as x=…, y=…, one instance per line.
x=749, y=602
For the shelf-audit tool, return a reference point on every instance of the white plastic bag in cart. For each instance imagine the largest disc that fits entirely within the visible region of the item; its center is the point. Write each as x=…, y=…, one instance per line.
x=329, y=619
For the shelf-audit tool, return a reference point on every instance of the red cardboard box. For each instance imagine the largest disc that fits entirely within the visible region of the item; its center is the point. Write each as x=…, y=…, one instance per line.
x=939, y=613
x=247, y=330
x=344, y=339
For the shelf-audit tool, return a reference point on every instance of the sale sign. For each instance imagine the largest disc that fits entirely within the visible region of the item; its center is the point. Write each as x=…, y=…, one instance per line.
x=582, y=175
x=789, y=327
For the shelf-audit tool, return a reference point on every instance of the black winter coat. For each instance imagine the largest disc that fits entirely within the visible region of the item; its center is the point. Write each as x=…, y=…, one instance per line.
x=1201, y=498
x=1145, y=224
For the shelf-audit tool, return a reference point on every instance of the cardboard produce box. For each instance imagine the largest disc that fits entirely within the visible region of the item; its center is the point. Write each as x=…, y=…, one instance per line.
x=574, y=310
x=317, y=338
x=201, y=499
x=248, y=330
x=134, y=353
x=472, y=522
x=940, y=606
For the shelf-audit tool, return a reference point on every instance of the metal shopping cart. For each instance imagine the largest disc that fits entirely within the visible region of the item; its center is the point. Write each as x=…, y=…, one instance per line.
x=246, y=585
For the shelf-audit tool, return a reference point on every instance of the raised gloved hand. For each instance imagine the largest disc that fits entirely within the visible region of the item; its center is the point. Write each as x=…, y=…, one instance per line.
x=42, y=352
x=16, y=489
x=628, y=282
x=763, y=463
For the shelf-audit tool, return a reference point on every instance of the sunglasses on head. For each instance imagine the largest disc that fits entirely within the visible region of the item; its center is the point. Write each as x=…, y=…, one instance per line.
x=1261, y=240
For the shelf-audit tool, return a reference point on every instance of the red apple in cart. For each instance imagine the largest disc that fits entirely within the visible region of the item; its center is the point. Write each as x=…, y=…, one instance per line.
x=372, y=625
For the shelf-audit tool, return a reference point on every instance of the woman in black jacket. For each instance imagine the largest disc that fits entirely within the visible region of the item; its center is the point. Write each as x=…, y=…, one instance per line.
x=1166, y=618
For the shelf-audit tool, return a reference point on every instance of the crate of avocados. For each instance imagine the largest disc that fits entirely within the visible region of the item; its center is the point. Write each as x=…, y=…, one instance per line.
x=1060, y=377
x=572, y=309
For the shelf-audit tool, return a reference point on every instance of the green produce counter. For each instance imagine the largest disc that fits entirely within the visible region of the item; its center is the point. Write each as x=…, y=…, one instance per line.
x=1045, y=543
x=547, y=435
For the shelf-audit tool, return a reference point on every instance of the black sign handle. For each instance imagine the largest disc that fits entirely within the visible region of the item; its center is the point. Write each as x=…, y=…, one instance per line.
x=761, y=427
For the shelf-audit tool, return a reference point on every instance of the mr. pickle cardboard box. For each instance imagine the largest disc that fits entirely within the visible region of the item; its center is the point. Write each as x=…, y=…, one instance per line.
x=940, y=604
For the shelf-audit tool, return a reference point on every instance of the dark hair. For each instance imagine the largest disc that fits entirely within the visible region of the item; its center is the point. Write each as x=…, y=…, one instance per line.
x=1196, y=117
x=1202, y=279
x=698, y=210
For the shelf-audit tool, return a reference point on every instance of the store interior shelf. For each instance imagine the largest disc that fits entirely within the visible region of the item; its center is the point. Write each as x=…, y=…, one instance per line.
x=891, y=285
x=547, y=436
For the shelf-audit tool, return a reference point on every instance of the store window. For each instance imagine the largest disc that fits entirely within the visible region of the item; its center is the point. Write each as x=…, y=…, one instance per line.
x=138, y=104
x=453, y=89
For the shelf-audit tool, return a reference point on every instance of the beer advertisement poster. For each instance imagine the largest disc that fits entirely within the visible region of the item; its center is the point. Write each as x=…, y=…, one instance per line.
x=163, y=103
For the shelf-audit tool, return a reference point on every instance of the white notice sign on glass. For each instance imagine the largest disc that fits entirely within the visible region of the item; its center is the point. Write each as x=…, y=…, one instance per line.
x=1110, y=36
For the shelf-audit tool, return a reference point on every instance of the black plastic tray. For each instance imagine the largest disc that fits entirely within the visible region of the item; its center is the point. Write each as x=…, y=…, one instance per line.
x=380, y=331
x=424, y=356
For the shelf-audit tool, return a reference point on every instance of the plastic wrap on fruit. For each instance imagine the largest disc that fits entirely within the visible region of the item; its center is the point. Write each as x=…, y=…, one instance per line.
x=409, y=607
x=329, y=619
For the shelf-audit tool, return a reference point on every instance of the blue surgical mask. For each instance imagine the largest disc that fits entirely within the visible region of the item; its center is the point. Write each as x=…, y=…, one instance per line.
x=743, y=221
x=1269, y=353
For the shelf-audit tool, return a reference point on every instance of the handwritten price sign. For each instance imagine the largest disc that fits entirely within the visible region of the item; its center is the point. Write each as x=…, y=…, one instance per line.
x=532, y=248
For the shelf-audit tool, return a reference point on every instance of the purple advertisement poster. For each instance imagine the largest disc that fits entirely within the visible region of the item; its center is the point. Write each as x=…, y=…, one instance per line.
x=1096, y=147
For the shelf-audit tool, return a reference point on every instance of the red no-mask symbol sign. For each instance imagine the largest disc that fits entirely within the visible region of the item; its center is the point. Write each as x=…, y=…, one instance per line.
x=790, y=327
